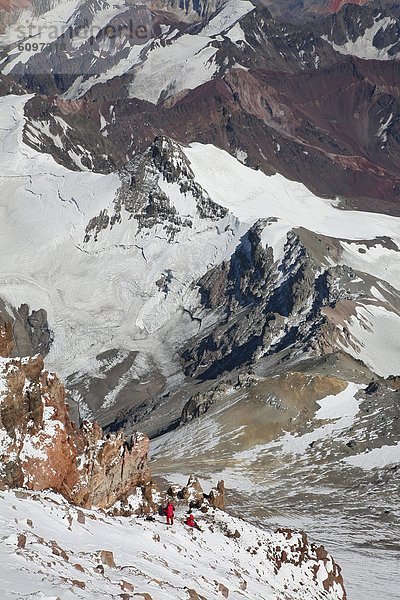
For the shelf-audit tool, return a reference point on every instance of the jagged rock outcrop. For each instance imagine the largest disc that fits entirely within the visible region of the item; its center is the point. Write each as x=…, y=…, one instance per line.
x=201, y=402
x=268, y=304
x=193, y=494
x=141, y=197
x=42, y=449
x=23, y=332
x=295, y=549
x=216, y=497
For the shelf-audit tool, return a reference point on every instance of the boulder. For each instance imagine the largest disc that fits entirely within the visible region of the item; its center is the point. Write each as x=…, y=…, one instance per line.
x=216, y=497
x=107, y=558
x=223, y=590
x=192, y=492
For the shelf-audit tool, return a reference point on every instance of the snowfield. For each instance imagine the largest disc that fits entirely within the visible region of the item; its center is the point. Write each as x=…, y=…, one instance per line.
x=251, y=195
x=377, y=332
x=104, y=295
x=339, y=410
x=61, y=546
x=376, y=458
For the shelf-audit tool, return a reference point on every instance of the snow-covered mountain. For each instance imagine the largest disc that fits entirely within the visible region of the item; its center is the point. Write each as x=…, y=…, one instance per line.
x=238, y=69
x=200, y=233
x=152, y=244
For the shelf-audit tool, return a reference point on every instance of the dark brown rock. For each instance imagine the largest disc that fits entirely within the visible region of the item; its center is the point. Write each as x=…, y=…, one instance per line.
x=99, y=569
x=80, y=517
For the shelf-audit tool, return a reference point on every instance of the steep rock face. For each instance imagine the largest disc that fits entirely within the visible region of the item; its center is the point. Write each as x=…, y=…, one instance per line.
x=41, y=448
x=23, y=332
x=258, y=302
x=295, y=305
x=6, y=337
x=370, y=31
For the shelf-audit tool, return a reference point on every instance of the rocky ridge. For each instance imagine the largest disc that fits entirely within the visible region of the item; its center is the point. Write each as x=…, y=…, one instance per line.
x=42, y=449
x=295, y=307
x=141, y=197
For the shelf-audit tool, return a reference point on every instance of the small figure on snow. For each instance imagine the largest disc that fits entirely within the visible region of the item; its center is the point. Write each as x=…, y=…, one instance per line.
x=169, y=513
x=190, y=522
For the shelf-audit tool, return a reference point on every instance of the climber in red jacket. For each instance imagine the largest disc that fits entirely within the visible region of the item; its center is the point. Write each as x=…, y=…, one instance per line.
x=190, y=522
x=169, y=513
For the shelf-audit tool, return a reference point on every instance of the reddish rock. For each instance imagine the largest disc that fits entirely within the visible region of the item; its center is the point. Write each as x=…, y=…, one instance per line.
x=304, y=553
x=21, y=541
x=125, y=585
x=336, y=5
x=49, y=452
x=107, y=558
x=6, y=337
x=223, y=590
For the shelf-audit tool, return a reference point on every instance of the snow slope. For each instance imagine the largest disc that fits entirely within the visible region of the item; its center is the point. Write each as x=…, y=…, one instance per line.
x=251, y=195
x=162, y=65
x=103, y=295
x=61, y=554
x=377, y=332
x=187, y=61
